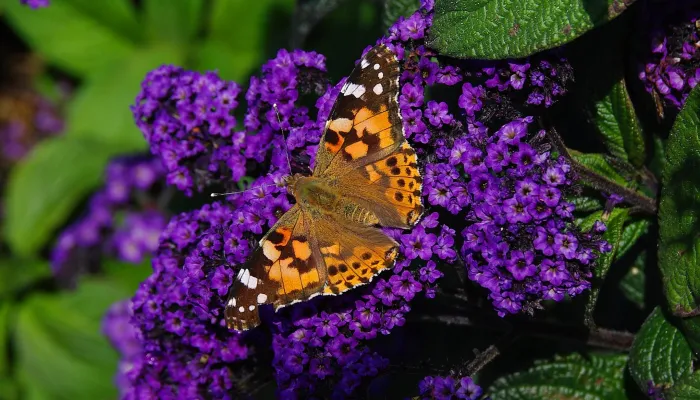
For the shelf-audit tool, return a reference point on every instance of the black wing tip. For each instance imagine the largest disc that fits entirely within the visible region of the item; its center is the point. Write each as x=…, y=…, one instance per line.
x=240, y=317
x=239, y=323
x=380, y=50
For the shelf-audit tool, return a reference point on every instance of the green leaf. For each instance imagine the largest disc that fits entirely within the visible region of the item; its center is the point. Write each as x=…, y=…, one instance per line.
x=8, y=388
x=679, y=218
x=632, y=285
x=620, y=126
x=571, y=377
x=45, y=186
x=495, y=29
x=598, y=164
x=100, y=109
x=393, y=9
x=212, y=55
x=632, y=232
x=240, y=27
x=127, y=275
x=79, y=36
x=687, y=388
x=614, y=221
x=585, y=204
x=16, y=275
x=61, y=353
x=5, y=308
x=175, y=22
x=659, y=353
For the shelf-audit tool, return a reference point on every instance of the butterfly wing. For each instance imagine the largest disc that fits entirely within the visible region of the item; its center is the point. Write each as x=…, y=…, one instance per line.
x=364, y=149
x=391, y=188
x=365, y=124
x=352, y=254
x=285, y=268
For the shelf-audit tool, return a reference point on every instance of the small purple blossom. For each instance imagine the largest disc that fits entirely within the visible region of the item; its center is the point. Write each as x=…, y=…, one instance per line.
x=35, y=3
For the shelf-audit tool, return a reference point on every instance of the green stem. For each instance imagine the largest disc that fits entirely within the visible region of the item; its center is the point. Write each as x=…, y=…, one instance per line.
x=599, y=182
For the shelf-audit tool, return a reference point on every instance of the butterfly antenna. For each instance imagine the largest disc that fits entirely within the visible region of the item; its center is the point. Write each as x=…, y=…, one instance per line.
x=241, y=191
x=284, y=139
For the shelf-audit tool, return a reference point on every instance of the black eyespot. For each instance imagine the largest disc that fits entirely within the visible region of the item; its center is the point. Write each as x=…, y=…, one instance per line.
x=332, y=270
x=398, y=196
x=332, y=137
x=391, y=162
x=343, y=268
x=275, y=237
x=366, y=256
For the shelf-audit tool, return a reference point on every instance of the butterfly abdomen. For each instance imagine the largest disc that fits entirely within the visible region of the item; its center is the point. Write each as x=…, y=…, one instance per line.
x=359, y=215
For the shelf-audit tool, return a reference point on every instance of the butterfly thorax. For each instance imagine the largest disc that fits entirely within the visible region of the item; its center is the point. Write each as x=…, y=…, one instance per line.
x=318, y=196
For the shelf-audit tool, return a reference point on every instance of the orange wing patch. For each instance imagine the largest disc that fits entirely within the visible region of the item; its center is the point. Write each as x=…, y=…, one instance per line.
x=281, y=271
x=365, y=118
x=291, y=266
x=400, y=178
x=351, y=267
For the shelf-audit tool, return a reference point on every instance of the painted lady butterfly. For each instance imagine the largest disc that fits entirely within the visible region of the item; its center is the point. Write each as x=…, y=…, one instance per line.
x=366, y=174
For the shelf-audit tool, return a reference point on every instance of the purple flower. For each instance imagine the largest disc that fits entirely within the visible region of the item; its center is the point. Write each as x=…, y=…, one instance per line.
x=419, y=243
x=448, y=387
x=35, y=3
x=670, y=67
x=129, y=232
x=470, y=100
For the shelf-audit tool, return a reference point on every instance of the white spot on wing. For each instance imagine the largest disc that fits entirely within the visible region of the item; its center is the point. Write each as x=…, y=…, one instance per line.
x=262, y=297
x=241, y=309
x=376, y=66
x=251, y=308
x=348, y=88
x=381, y=75
x=359, y=91
x=232, y=302
x=245, y=278
x=378, y=89
x=364, y=64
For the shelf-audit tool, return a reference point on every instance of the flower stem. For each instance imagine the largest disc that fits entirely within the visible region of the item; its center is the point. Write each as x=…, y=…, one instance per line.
x=599, y=182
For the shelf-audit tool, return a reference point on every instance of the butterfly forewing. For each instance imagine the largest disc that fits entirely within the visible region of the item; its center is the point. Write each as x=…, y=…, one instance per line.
x=365, y=122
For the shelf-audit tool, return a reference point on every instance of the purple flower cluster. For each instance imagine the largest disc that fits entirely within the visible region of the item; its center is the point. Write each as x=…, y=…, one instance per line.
x=493, y=189
x=186, y=348
x=122, y=218
x=672, y=68
x=35, y=3
x=448, y=387
x=327, y=354
x=117, y=327
x=187, y=118
x=25, y=121
x=520, y=242
x=199, y=253
x=518, y=236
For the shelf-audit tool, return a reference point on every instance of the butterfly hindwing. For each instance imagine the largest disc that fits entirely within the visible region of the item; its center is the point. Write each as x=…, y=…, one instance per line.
x=285, y=268
x=352, y=254
x=365, y=121
x=391, y=187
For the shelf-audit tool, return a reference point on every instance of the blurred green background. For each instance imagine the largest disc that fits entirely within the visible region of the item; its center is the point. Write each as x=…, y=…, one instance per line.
x=88, y=58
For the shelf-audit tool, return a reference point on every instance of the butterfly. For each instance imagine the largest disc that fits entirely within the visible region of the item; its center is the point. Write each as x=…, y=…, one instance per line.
x=366, y=175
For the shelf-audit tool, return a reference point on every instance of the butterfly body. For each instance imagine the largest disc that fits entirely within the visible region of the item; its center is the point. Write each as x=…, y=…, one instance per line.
x=319, y=197
x=365, y=175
